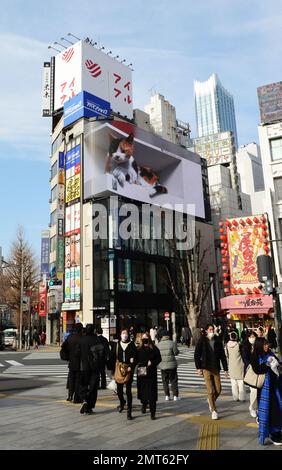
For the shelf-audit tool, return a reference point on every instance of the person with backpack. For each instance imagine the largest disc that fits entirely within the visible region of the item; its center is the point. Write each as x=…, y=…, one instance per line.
x=91, y=353
x=125, y=356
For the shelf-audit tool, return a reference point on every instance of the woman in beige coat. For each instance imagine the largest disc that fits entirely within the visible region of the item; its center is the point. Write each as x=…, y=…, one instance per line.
x=236, y=367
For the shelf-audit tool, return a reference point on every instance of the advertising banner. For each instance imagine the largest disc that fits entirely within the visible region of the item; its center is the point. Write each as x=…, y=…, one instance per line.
x=124, y=160
x=73, y=188
x=60, y=254
x=82, y=67
x=42, y=299
x=45, y=251
x=46, y=91
x=270, y=102
x=72, y=219
x=216, y=148
x=246, y=240
x=67, y=285
x=246, y=304
x=85, y=105
x=73, y=161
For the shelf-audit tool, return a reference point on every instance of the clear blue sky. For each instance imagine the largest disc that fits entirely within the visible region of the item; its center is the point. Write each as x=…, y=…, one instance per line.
x=169, y=43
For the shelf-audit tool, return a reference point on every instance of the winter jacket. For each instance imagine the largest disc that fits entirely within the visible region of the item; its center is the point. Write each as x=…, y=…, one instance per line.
x=91, y=353
x=206, y=358
x=129, y=353
x=168, y=350
x=71, y=344
x=235, y=361
x=247, y=350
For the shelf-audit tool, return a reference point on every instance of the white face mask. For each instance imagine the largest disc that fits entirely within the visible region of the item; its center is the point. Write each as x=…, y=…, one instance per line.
x=210, y=335
x=252, y=340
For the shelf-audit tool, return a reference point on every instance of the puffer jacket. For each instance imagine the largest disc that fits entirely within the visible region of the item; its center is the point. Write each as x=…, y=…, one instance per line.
x=235, y=361
x=168, y=350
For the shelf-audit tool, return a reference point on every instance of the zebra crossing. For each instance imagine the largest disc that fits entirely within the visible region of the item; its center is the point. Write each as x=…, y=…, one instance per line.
x=187, y=375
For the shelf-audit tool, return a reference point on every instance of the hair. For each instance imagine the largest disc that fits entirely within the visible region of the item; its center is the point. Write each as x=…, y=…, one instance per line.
x=208, y=326
x=258, y=347
x=78, y=327
x=124, y=329
x=90, y=329
x=150, y=342
x=260, y=328
x=99, y=330
x=233, y=336
x=252, y=333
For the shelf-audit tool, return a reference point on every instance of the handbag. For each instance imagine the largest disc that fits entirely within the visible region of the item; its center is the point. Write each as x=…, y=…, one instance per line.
x=252, y=379
x=121, y=375
x=142, y=371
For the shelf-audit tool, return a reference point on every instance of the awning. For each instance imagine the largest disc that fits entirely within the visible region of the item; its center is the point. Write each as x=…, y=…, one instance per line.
x=247, y=304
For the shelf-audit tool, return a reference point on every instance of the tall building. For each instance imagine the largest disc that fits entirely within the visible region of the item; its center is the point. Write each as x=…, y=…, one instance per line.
x=105, y=159
x=162, y=117
x=250, y=170
x=214, y=106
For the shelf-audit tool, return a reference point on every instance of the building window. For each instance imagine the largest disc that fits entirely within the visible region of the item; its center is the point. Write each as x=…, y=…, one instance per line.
x=162, y=279
x=54, y=169
x=278, y=188
x=124, y=275
x=53, y=244
x=53, y=218
x=276, y=149
x=54, y=193
x=138, y=276
x=150, y=278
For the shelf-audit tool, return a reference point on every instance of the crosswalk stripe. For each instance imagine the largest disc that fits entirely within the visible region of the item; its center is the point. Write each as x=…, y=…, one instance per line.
x=14, y=363
x=1, y=365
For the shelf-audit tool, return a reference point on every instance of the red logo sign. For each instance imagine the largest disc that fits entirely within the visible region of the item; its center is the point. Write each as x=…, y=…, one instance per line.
x=94, y=69
x=68, y=55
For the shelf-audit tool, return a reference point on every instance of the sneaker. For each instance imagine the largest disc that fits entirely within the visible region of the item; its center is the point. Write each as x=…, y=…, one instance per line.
x=176, y=398
x=276, y=439
x=167, y=398
x=253, y=413
x=83, y=409
x=214, y=415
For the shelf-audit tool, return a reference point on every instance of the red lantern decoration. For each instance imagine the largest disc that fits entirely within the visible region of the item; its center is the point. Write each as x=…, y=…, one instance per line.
x=223, y=238
x=266, y=248
x=235, y=222
x=226, y=290
x=264, y=226
x=224, y=260
x=256, y=290
x=265, y=233
x=225, y=275
x=221, y=224
x=224, y=267
x=256, y=220
x=249, y=291
x=226, y=283
x=263, y=219
x=240, y=290
x=223, y=252
x=248, y=220
x=222, y=230
x=228, y=223
x=233, y=290
x=242, y=222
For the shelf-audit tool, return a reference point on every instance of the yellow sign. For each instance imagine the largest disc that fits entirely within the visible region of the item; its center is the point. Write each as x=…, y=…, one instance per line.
x=73, y=188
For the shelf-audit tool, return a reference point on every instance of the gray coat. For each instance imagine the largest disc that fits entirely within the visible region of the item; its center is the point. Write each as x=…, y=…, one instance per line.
x=168, y=350
x=236, y=364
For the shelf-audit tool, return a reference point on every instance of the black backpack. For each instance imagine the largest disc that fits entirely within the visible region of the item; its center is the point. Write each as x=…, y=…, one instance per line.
x=64, y=352
x=97, y=356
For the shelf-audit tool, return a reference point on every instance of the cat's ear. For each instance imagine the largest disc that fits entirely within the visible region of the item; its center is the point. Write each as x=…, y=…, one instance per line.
x=130, y=138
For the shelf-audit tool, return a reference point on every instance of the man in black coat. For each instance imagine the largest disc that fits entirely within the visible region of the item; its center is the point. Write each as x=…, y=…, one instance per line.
x=209, y=353
x=91, y=353
x=99, y=332
x=74, y=365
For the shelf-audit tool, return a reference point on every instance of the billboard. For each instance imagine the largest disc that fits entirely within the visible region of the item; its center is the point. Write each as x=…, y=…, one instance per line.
x=72, y=221
x=45, y=251
x=82, y=67
x=72, y=284
x=216, y=148
x=247, y=238
x=270, y=102
x=46, y=91
x=85, y=105
x=122, y=159
x=42, y=299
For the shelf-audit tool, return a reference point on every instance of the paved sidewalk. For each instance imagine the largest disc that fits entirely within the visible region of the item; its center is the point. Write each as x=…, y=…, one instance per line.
x=41, y=419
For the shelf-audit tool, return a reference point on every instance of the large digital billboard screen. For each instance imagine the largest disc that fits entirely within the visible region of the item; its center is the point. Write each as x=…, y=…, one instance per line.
x=122, y=159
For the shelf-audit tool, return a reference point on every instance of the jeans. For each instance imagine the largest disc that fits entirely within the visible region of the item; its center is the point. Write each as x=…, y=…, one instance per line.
x=169, y=376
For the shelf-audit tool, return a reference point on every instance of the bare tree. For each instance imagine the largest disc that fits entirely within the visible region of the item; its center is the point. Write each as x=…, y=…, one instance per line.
x=189, y=281
x=21, y=255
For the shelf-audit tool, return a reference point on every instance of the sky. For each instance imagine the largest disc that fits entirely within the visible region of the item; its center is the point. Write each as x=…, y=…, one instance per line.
x=170, y=45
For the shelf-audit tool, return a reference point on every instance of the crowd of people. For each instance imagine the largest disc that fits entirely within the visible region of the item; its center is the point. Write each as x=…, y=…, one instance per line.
x=248, y=359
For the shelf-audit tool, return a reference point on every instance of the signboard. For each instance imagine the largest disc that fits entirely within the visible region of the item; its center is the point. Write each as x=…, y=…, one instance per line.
x=72, y=219
x=72, y=284
x=73, y=161
x=85, y=105
x=73, y=188
x=71, y=306
x=45, y=251
x=270, y=102
x=46, y=91
x=82, y=67
x=121, y=159
x=246, y=240
x=247, y=304
x=60, y=254
x=216, y=148
x=42, y=299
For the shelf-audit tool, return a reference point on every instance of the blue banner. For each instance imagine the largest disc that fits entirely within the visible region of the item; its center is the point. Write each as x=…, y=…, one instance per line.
x=45, y=249
x=85, y=105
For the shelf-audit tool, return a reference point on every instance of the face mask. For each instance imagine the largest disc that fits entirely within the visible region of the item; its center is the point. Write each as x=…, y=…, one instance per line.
x=145, y=341
x=210, y=335
x=124, y=337
x=252, y=340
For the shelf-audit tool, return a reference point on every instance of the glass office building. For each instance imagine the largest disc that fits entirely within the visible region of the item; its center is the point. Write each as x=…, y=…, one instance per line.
x=215, y=110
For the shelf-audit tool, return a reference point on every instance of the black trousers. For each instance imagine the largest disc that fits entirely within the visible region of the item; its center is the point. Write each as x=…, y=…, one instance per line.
x=128, y=391
x=169, y=376
x=74, y=384
x=103, y=378
x=89, y=387
x=152, y=406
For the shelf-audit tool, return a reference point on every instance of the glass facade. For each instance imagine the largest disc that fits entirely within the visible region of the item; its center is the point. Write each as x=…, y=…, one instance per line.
x=215, y=110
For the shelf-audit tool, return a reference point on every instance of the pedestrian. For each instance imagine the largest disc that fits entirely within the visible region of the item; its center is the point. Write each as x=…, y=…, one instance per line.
x=111, y=364
x=244, y=334
x=70, y=345
x=153, y=333
x=264, y=361
x=148, y=357
x=236, y=368
x=168, y=365
x=186, y=335
x=247, y=351
x=43, y=338
x=260, y=332
x=103, y=339
x=91, y=353
x=209, y=353
x=270, y=335
x=125, y=356
x=35, y=338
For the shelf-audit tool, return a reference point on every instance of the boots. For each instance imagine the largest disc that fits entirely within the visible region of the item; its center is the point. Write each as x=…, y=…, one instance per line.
x=143, y=408
x=129, y=415
x=121, y=406
x=153, y=411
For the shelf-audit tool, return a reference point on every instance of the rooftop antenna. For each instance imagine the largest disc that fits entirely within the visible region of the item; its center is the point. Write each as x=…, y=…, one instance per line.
x=116, y=57
x=110, y=52
x=64, y=39
x=51, y=47
x=101, y=48
x=124, y=60
x=70, y=34
x=59, y=44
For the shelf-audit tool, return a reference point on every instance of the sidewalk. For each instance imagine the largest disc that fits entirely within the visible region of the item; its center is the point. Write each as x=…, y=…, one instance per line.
x=41, y=418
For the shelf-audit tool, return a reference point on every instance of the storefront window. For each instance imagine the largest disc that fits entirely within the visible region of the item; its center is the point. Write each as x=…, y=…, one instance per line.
x=150, y=278
x=138, y=276
x=162, y=279
x=124, y=275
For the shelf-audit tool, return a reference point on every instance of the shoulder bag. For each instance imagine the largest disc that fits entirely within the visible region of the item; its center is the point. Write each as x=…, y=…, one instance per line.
x=252, y=379
x=122, y=375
